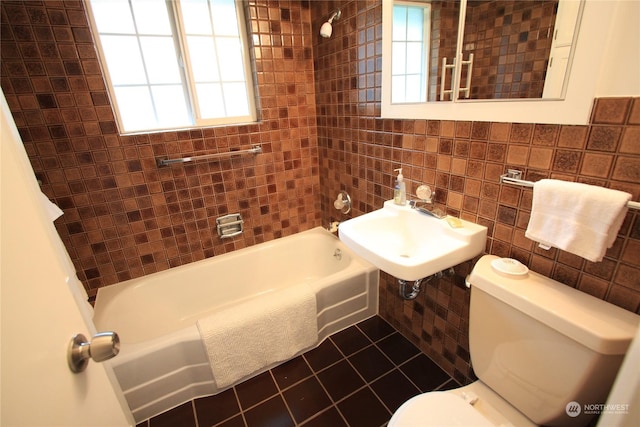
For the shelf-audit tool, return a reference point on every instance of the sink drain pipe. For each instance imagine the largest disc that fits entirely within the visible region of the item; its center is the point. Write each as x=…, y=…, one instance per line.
x=415, y=288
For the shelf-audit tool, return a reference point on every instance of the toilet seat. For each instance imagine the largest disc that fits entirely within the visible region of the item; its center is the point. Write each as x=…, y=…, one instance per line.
x=437, y=408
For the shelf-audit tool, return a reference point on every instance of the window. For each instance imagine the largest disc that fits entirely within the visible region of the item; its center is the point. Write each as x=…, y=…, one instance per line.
x=174, y=63
x=409, y=62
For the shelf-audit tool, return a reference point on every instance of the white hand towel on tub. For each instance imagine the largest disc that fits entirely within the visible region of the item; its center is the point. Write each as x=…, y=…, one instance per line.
x=260, y=332
x=578, y=218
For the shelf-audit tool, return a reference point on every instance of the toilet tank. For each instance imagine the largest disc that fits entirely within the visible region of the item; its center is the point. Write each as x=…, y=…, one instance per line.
x=548, y=349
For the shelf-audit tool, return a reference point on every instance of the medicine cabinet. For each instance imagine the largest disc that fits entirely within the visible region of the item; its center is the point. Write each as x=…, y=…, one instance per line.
x=491, y=60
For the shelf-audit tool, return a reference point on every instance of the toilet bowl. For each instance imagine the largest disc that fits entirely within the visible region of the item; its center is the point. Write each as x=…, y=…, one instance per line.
x=540, y=349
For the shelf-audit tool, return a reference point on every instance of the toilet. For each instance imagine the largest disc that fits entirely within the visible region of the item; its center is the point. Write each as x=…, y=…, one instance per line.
x=544, y=354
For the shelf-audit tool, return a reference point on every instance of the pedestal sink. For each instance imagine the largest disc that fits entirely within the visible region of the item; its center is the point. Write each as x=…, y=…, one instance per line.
x=409, y=244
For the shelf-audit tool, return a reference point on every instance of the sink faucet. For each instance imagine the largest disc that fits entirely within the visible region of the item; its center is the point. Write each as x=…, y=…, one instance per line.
x=425, y=195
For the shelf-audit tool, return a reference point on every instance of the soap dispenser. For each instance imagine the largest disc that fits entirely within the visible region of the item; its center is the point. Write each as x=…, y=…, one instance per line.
x=400, y=190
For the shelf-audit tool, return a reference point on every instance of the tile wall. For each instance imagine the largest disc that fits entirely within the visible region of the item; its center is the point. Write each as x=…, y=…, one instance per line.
x=463, y=161
x=124, y=216
x=321, y=133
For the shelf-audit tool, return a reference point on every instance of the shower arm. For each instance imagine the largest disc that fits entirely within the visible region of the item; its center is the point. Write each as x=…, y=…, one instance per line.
x=335, y=15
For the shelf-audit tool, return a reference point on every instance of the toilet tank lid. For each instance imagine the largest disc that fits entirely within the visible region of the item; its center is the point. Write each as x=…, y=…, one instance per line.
x=597, y=324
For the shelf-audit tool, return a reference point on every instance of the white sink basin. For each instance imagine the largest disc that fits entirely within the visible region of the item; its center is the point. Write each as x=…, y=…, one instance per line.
x=409, y=244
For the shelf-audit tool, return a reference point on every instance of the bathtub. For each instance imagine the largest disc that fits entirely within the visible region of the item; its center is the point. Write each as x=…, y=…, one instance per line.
x=162, y=361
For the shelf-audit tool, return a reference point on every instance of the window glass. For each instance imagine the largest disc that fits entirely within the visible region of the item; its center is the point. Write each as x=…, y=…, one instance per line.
x=124, y=60
x=210, y=100
x=204, y=64
x=113, y=16
x=136, y=107
x=160, y=60
x=409, y=69
x=231, y=67
x=234, y=93
x=221, y=13
x=170, y=107
x=151, y=17
x=196, y=16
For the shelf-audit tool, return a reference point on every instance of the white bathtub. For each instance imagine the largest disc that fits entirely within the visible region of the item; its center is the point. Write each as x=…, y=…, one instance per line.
x=162, y=361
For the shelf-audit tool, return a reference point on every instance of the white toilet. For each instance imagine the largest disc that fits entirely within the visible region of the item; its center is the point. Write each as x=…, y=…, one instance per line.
x=543, y=353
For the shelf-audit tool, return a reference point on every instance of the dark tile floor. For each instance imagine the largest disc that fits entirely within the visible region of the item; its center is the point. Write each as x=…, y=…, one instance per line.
x=357, y=377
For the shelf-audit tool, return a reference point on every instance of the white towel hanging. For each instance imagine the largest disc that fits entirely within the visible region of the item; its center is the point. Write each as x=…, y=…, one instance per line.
x=578, y=218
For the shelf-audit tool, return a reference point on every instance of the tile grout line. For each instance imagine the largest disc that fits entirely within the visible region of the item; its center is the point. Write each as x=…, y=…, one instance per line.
x=244, y=419
x=195, y=412
x=281, y=394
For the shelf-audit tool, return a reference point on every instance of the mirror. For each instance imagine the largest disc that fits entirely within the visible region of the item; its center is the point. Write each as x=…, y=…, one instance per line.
x=481, y=49
x=585, y=74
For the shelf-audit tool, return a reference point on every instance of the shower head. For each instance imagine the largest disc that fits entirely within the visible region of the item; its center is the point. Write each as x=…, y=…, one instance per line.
x=327, y=29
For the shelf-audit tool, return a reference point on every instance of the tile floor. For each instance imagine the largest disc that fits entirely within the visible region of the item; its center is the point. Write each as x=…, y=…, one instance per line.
x=357, y=377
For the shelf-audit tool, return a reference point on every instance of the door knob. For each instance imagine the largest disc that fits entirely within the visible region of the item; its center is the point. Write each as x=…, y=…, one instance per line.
x=103, y=346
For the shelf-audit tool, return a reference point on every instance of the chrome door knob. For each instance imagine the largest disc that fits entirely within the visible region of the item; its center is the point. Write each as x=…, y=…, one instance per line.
x=103, y=346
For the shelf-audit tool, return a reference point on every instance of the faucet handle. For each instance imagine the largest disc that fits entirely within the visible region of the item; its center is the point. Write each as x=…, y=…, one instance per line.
x=343, y=202
x=424, y=193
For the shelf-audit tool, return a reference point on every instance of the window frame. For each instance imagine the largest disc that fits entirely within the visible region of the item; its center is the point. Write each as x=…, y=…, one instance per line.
x=186, y=75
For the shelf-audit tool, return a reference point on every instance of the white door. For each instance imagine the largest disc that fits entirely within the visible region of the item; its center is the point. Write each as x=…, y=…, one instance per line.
x=563, y=34
x=39, y=313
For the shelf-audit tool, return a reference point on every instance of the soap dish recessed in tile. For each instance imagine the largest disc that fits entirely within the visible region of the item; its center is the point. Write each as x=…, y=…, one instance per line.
x=229, y=225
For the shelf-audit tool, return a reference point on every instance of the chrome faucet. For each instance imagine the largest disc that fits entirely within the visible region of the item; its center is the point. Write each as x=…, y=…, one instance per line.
x=425, y=195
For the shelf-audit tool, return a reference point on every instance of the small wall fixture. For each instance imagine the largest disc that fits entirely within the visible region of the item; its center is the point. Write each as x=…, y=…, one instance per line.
x=327, y=29
x=343, y=202
x=229, y=225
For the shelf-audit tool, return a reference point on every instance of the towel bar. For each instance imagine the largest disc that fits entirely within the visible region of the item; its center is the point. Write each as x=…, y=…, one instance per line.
x=513, y=177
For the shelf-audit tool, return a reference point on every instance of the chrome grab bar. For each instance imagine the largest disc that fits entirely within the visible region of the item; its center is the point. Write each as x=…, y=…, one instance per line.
x=166, y=162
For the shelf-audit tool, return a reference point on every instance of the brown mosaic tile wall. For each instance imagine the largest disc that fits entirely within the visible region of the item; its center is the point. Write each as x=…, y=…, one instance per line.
x=125, y=217
x=510, y=41
x=463, y=161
